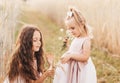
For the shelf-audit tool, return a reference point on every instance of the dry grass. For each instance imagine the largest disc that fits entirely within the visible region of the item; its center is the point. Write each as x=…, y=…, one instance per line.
x=103, y=16
x=9, y=11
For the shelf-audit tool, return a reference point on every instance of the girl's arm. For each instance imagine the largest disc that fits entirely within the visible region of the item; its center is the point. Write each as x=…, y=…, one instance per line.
x=46, y=74
x=83, y=57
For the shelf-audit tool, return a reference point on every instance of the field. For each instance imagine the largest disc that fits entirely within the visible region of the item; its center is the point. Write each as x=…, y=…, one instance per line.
x=104, y=54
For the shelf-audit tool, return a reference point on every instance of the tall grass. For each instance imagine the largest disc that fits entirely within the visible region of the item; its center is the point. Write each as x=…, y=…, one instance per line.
x=9, y=11
x=107, y=67
x=103, y=16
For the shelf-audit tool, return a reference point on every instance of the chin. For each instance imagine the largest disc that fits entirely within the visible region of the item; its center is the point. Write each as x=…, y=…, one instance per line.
x=36, y=50
x=75, y=35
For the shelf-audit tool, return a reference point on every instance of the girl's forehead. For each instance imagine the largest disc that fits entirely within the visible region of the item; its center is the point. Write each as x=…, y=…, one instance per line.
x=70, y=23
x=36, y=34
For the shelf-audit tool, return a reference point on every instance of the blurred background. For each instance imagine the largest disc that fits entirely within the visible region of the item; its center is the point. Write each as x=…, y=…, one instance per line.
x=102, y=15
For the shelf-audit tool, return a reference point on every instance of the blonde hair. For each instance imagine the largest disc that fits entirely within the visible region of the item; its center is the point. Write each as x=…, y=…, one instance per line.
x=79, y=19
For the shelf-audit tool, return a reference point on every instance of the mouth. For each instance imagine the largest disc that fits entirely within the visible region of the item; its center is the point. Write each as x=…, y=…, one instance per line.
x=73, y=33
x=37, y=46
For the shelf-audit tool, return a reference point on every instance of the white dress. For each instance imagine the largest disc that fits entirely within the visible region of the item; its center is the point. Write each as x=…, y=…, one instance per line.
x=17, y=80
x=74, y=71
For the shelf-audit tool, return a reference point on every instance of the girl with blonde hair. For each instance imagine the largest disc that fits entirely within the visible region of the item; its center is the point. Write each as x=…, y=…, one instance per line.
x=77, y=65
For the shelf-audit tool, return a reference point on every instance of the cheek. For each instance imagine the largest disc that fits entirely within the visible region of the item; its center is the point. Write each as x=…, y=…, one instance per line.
x=77, y=30
x=37, y=44
x=74, y=31
x=34, y=45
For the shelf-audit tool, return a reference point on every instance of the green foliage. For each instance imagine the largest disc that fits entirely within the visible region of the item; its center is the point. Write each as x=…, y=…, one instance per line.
x=107, y=66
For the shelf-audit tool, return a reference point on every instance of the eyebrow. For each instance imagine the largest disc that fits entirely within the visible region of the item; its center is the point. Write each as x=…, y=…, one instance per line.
x=36, y=38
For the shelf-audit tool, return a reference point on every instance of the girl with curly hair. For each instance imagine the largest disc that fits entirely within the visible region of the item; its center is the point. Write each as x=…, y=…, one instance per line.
x=27, y=65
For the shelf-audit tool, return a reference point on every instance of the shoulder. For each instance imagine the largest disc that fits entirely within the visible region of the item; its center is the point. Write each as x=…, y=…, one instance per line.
x=87, y=39
x=86, y=42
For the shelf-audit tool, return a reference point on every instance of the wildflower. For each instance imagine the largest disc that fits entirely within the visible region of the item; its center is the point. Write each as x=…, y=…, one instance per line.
x=60, y=38
x=61, y=29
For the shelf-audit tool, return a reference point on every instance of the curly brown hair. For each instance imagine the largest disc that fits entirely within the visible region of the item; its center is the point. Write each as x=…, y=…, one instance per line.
x=22, y=60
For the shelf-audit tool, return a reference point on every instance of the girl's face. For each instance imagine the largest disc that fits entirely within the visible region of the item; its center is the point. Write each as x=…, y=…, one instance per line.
x=73, y=27
x=36, y=41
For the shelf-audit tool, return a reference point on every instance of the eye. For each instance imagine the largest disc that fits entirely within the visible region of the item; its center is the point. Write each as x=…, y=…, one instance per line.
x=34, y=40
x=72, y=28
x=40, y=40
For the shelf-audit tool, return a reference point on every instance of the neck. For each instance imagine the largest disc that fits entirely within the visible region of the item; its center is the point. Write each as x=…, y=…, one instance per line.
x=83, y=35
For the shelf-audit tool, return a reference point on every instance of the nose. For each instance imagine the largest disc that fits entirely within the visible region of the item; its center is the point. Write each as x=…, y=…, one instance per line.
x=39, y=43
x=71, y=31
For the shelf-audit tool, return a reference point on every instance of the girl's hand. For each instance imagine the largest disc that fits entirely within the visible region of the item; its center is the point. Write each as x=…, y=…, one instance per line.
x=50, y=60
x=65, y=58
x=65, y=43
x=50, y=73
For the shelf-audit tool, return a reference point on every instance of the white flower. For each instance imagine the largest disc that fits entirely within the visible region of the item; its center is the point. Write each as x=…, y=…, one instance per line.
x=60, y=38
x=61, y=29
x=69, y=34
